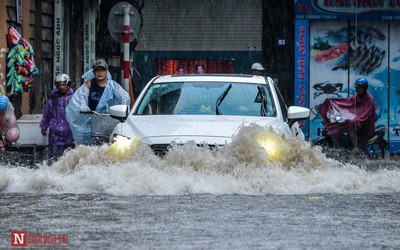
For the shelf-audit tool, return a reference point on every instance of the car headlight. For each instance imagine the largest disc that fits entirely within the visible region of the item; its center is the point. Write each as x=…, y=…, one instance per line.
x=272, y=144
x=121, y=147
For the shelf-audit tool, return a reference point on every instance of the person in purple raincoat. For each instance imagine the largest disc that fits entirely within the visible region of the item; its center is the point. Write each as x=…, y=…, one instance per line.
x=54, y=118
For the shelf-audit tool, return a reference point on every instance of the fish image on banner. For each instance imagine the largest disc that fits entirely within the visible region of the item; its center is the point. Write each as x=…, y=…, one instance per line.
x=350, y=47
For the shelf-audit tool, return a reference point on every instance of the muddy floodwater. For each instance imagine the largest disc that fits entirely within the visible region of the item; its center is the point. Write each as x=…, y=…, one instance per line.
x=194, y=198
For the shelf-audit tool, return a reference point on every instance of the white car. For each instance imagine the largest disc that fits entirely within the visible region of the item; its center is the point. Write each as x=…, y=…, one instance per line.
x=206, y=109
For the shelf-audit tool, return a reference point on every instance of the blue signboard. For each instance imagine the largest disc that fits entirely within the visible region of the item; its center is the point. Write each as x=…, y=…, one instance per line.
x=301, y=81
x=347, y=9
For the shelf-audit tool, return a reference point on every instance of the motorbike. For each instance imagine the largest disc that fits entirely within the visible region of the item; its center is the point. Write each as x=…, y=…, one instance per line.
x=374, y=149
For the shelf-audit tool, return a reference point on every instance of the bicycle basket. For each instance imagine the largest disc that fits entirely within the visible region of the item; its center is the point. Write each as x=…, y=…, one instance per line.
x=102, y=125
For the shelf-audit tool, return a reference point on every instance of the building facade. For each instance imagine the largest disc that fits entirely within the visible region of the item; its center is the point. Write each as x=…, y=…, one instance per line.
x=68, y=35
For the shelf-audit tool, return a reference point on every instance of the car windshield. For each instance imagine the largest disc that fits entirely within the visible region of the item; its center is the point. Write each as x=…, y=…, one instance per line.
x=207, y=98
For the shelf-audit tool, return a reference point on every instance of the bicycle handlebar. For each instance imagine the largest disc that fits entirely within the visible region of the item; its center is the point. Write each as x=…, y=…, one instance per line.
x=92, y=112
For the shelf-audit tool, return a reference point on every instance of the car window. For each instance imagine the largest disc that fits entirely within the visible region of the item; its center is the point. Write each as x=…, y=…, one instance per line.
x=160, y=99
x=207, y=98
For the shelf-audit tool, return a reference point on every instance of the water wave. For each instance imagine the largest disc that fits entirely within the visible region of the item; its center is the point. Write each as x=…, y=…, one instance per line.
x=242, y=167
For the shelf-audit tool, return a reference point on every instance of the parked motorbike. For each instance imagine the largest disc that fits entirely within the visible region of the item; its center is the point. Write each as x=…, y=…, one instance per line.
x=374, y=149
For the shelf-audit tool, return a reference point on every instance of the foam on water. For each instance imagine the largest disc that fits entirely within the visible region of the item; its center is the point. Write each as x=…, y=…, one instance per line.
x=242, y=167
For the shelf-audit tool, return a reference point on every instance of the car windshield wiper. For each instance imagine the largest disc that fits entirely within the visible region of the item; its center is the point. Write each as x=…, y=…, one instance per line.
x=221, y=98
x=263, y=108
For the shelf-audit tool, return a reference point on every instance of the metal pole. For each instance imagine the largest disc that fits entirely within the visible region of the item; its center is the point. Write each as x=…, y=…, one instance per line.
x=126, y=48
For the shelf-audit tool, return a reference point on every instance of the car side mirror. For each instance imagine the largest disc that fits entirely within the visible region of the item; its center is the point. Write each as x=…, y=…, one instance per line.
x=119, y=112
x=296, y=113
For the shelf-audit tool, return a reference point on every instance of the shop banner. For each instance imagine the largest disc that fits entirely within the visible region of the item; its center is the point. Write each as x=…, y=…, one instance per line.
x=340, y=53
x=89, y=38
x=301, y=81
x=348, y=40
x=326, y=79
x=58, y=39
x=394, y=83
x=347, y=9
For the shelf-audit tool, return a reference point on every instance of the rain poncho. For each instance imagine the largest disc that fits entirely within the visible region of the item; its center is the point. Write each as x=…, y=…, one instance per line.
x=358, y=110
x=54, y=118
x=80, y=123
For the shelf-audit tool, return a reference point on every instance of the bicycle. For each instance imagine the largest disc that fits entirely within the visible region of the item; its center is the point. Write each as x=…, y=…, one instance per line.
x=101, y=125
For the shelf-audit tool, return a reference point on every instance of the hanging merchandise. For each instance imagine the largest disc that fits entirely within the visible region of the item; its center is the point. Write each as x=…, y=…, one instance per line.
x=20, y=61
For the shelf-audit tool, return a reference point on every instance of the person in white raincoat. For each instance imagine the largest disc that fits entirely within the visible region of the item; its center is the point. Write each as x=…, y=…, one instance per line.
x=98, y=93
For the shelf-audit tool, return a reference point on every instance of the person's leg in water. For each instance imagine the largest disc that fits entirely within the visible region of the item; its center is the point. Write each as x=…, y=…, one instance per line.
x=336, y=141
x=51, y=154
x=354, y=140
x=56, y=151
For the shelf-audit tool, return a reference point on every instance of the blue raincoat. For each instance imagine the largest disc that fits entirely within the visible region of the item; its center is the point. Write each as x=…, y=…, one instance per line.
x=80, y=123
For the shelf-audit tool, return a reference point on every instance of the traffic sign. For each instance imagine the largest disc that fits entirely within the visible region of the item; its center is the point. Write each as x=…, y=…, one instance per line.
x=116, y=21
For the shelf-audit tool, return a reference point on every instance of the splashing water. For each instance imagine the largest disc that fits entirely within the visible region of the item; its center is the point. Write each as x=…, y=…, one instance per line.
x=246, y=166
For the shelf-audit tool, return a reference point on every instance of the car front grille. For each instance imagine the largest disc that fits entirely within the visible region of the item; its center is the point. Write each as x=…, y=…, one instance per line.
x=162, y=149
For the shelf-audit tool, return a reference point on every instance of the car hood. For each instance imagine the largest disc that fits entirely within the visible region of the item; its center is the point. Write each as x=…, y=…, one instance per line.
x=180, y=129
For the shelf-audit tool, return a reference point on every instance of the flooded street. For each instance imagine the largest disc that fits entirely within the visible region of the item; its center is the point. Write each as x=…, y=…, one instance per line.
x=319, y=221
x=199, y=72
x=195, y=198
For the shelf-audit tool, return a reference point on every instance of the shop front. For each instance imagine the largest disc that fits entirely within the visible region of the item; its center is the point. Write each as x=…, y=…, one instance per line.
x=340, y=41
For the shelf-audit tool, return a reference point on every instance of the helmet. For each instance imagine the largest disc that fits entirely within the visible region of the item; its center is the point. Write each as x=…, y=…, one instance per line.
x=257, y=66
x=362, y=82
x=63, y=78
x=3, y=102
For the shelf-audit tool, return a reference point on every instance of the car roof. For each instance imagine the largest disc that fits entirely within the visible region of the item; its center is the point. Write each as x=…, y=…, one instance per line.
x=212, y=78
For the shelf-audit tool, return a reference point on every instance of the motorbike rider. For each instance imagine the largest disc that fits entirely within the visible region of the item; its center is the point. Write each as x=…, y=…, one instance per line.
x=359, y=114
x=8, y=122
